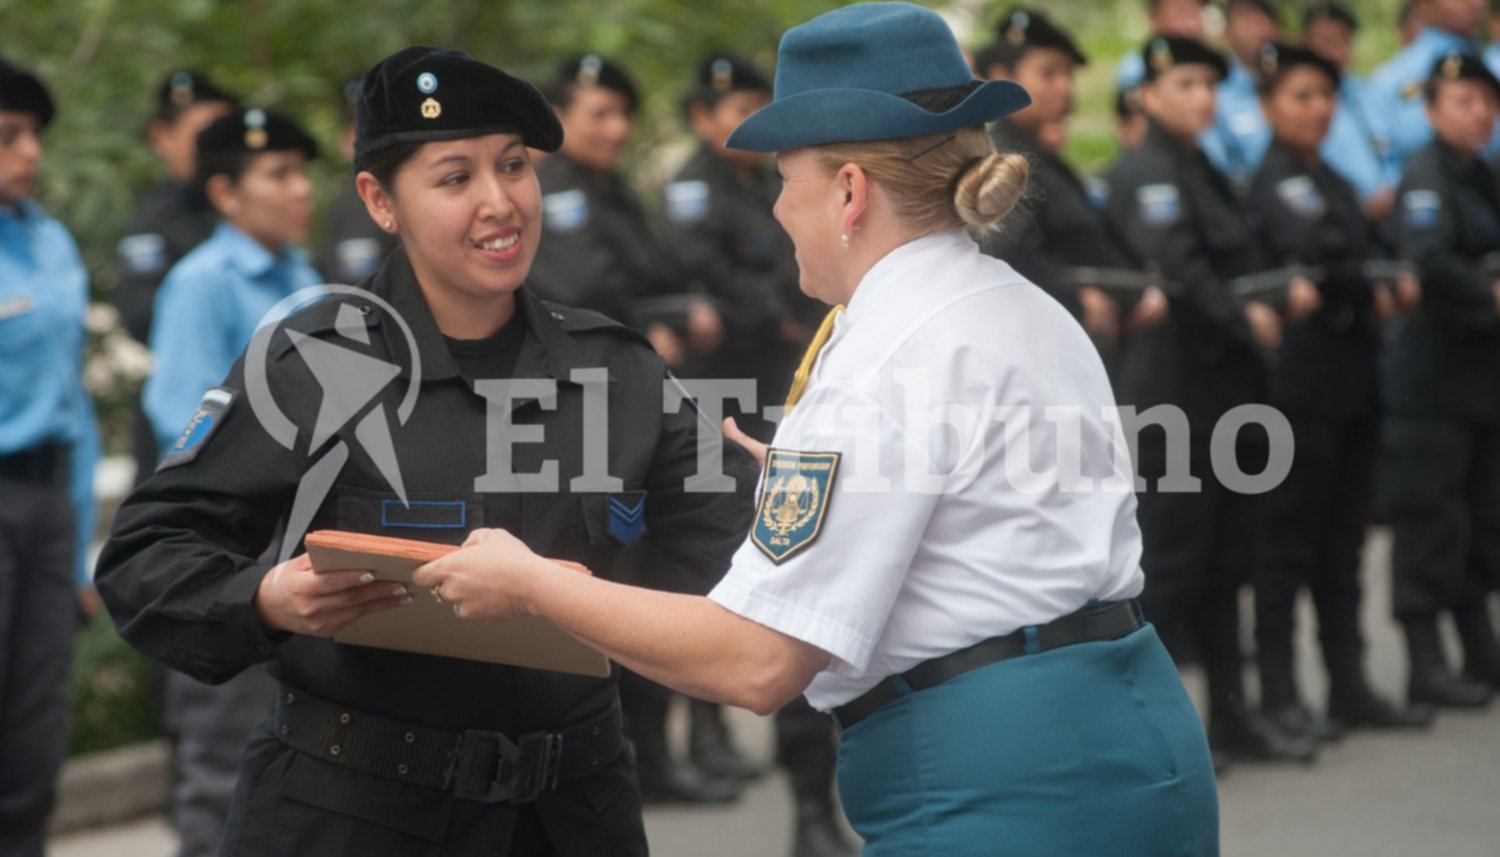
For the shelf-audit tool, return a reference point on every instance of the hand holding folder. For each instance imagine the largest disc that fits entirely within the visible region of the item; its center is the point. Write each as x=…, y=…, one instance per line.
x=428, y=626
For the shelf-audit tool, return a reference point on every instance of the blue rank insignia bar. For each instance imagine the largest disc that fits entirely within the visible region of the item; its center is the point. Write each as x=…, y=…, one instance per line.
x=793, y=501
x=627, y=516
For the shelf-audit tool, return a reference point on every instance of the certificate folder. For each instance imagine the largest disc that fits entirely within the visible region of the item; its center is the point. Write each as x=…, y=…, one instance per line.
x=430, y=628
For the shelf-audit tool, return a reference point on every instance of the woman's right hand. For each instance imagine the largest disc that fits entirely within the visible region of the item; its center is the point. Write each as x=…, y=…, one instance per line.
x=1265, y=325
x=751, y=445
x=294, y=598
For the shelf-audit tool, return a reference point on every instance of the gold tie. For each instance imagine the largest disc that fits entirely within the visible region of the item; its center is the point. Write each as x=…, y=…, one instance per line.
x=804, y=370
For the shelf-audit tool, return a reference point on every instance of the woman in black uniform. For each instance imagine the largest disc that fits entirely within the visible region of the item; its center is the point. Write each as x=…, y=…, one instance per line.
x=380, y=752
x=1323, y=380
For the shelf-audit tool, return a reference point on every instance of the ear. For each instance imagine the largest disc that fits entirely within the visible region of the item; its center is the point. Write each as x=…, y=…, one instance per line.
x=377, y=200
x=223, y=195
x=855, y=187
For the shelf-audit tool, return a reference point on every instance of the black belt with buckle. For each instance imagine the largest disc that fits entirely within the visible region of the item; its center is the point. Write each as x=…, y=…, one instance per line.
x=1091, y=624
x=475, y=764
x=45, y=464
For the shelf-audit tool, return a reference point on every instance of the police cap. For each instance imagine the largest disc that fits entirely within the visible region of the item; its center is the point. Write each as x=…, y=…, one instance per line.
x=1164, y=52
x=1275, y=60
x=23, y=92
x=591, y=70
x=252, y=131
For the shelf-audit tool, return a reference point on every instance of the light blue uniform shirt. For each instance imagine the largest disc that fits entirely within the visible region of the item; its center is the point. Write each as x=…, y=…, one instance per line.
x=44, y=293
x=1130, y=72
x=1395, y=92
x=209, y=307
x=1240, y=135
x=1357, y=140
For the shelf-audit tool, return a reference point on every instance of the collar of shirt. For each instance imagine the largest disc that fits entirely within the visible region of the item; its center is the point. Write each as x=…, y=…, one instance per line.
x=901, y=280
x=248, y=255
x=1239, y=81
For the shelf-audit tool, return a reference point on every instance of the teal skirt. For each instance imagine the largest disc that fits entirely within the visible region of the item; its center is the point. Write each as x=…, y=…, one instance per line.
x=1093, y=749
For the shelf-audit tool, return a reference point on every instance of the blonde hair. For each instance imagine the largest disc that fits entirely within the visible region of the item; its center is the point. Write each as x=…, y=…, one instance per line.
x=940, y=181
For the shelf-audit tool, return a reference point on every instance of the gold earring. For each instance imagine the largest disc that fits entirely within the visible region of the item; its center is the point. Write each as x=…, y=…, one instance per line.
x=389, y=226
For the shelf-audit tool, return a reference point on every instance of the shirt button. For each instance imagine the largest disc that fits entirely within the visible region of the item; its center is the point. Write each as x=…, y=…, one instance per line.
x=344, y=718
x=334, y=750
x=402, y=770
x=411, y=738
x=291, y=698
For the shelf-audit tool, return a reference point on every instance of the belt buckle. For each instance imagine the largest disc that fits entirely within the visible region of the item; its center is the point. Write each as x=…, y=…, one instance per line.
x=523, y=768
x=544, y=752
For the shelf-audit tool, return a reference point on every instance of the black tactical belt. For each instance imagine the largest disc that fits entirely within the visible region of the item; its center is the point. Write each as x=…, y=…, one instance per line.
x=45, y=465
x=475, y=764
x=1092, y=624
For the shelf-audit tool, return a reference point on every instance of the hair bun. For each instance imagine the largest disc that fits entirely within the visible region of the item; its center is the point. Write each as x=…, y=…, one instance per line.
x=988, y=190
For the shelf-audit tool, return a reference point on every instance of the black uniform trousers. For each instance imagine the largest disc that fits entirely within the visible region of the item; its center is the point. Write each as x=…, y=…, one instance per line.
x=38, y=618
x=1443, y=489
x=1315, y=527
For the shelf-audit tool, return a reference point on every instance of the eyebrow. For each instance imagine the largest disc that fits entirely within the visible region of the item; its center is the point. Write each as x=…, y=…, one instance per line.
x=456, y=156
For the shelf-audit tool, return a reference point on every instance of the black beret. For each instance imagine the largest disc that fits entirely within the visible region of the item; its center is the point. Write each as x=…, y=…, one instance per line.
x=1020, y=29
x=1276, y=59
x=23, y=92
x=720, y=74
x=1462, y=66
x=1164, y=52
x=1265, y=7
x=594, y=70
x=1329, y=9
x=252, y=131
x=421, y=94
x=186, y=87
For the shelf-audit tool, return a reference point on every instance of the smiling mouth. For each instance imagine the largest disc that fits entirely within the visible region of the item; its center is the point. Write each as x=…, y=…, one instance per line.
x=498, y=245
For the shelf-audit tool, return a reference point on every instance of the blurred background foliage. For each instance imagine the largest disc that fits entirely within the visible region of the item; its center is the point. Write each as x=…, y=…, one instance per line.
x=103, y=60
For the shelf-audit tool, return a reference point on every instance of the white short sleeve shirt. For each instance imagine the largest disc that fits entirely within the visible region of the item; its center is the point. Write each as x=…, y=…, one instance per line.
x=954, y=471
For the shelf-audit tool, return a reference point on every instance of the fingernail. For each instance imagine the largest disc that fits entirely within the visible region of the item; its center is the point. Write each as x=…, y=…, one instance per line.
x=400, y=591
x=367, y=578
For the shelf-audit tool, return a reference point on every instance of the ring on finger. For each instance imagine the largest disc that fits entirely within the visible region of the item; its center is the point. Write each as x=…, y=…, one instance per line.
x=437, y=596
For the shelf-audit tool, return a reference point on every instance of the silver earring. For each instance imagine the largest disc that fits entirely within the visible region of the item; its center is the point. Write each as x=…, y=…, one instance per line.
x=845, y=240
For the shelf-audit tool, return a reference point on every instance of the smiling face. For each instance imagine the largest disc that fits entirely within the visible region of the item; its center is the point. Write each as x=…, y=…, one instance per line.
x=1047, y=75
x=20, y=156
x=809, y=209
x=271, y=201
x=469, y=214
x=596, y=127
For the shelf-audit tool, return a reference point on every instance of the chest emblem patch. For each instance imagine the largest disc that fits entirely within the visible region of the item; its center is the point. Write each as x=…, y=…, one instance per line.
x=793, y=501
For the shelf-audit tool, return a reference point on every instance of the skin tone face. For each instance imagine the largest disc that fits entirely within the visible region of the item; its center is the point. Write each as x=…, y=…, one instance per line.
x=1463, y=114
x=271, y=202
x=1300, y=109
x=469, y=215
x=1182, y=100
x=1178, y=18
x=21, y=152
x=1330, y=39
x=1048, y=75
x=596, y=127
x=713, y=125
x=176, y=143
x=1463, y=17
x=1247, y=30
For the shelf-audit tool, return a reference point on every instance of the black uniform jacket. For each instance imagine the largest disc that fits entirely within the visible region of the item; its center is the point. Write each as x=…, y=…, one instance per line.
x=1326, y=366
x=174, y=219
x=191, y=545
x=598, y=249
x=1058, y=224
x=1444, y=359
x=1175, y=209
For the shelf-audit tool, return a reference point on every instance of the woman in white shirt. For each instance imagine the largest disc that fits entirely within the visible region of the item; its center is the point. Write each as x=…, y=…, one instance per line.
x=945, y=551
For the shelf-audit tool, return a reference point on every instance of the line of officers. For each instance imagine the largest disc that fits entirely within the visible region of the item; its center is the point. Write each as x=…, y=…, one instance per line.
x=1276, y=232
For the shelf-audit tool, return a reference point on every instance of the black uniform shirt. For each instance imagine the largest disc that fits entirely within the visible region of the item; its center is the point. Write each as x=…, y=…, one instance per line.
x=1175, y=209
x=598, y=250
x=1445, y=358
x=1311, y=215
x=1058, y=225
x=174, y=219
x=190, y=546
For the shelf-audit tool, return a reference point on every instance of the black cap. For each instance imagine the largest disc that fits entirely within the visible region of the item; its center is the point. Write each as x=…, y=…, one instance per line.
x=594, y=70
x=1329, y=9
x=1275, y=60
x=1462, y=66
x=1164, y=52
x=1265, y=7
x=1021, y=29
x=252, y=131
x=184, y=88
x=421, y=94
x=724, y=73
x=23, y=92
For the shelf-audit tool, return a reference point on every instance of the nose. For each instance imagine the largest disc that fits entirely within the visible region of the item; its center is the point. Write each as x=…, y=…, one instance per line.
x=30, y=146
x=495, y=203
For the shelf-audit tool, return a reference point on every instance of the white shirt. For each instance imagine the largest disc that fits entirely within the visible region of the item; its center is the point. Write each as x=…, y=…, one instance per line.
x=930, y=538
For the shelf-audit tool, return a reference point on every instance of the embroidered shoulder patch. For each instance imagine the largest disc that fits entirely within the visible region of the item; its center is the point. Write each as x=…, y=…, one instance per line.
x=627, y=516
x=1299, y=194
x=793, y=501
x=566, y=210
x=1420, y=208
x=687, y=202
x=1159, y=204
x=199, y=429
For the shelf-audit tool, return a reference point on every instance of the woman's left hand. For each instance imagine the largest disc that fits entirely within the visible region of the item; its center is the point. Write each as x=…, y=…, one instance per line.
x=489, y=576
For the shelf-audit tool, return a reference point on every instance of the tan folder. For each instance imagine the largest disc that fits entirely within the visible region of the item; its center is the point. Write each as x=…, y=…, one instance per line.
x=430, y=628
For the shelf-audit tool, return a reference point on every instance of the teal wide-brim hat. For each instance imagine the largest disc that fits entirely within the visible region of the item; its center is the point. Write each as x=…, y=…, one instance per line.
x=872, y=71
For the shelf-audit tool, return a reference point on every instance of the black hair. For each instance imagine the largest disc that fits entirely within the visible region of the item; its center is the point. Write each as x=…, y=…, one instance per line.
x=1127, y=102
x=206, y=165
x=383, y=163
